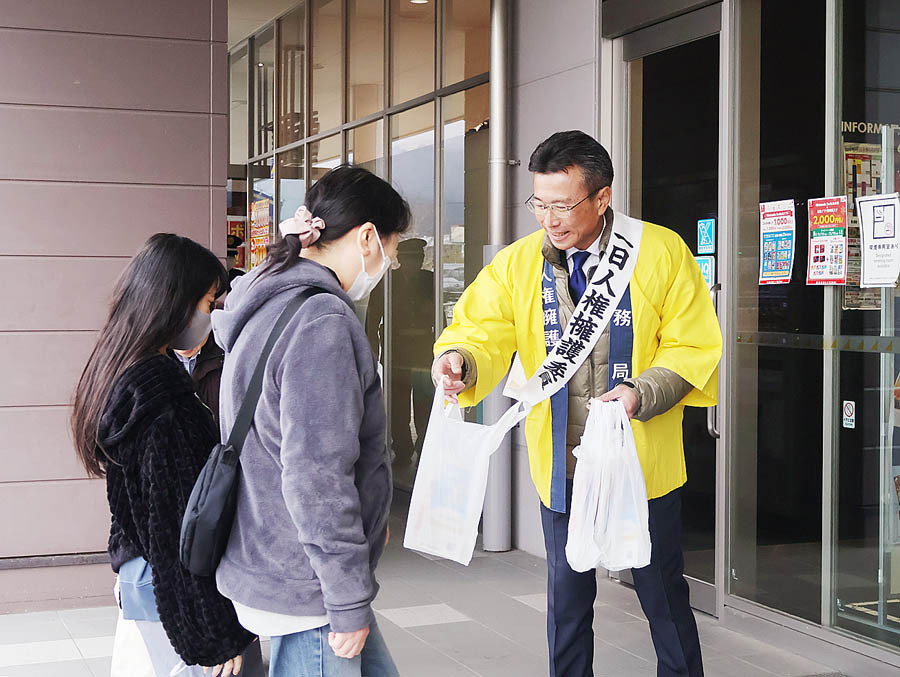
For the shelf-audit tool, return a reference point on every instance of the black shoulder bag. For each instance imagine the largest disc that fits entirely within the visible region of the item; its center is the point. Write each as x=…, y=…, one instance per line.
x=210, y=509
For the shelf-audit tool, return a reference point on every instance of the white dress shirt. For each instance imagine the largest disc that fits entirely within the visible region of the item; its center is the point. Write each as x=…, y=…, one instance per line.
x=592, y=261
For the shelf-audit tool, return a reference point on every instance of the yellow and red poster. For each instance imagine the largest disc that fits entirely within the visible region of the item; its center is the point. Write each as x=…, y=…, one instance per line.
x=827, y=240
x=237, y=226
x=260, y=226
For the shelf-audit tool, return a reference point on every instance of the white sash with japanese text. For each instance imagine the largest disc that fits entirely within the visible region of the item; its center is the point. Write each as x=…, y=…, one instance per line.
x=592, y=314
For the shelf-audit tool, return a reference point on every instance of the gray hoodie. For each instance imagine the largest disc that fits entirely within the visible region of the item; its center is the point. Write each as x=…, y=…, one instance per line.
x=315, y=485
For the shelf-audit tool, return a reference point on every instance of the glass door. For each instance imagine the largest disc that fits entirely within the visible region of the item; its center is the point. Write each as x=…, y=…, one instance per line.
x=865, y=466
x=776, y=394
x=673, y=180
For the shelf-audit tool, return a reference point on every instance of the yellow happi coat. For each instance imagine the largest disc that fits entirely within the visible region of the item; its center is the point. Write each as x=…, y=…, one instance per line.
x=674, y=324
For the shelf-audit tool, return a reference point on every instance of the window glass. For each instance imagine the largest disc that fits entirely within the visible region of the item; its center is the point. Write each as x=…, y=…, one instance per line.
x=293, y=76
x=327, y=82
x=364, y=147
x=365, y=87
x=291, y=182
x=407, y=329
x=412, y=50
x=236, y=209
x=866, y=593
x=467, y=39
x=776, y=521
x=238, y=86
x=324, y=156
x=262, y=209
x=464, y=223
x=264, y=92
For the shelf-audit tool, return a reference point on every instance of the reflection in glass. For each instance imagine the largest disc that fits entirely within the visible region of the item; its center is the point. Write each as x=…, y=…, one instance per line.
x=365, y=87
x=291, y=183
x=412, y=50
x=262, y=209
x=412, y=168
x=236, y=208
x=866, y=591
x=467, y=39
x=293, y=76
x=776, y=521
x=411, y=302
x=238, y=85
x=678, y=88
x=464, y=227
x=364, y=147
x=324, y=156
x=264, y=92
x=327, y=81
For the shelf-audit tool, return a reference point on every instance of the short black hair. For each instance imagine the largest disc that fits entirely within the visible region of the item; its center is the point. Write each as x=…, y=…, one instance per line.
x=574, y=149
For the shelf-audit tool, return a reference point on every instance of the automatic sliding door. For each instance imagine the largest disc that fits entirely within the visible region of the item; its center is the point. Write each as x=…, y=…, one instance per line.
x=673, y=180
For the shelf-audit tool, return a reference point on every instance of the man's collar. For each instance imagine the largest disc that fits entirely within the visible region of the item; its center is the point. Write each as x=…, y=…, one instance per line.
x=595, y=245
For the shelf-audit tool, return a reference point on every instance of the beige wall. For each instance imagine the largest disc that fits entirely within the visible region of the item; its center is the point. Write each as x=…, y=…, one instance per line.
x=550, y=90
x=113, y=125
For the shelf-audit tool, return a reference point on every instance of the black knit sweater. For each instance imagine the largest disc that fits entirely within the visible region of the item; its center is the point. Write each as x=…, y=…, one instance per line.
x=157, y=435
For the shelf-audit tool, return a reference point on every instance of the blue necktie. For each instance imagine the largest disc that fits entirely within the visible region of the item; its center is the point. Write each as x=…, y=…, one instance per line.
x=577, y=279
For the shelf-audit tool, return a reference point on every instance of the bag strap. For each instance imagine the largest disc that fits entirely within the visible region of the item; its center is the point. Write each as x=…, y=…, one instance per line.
x=244, y=418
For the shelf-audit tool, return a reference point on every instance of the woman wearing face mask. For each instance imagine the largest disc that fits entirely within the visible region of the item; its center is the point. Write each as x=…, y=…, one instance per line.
x=315, y=488
x=137, y=421
x=203, y=362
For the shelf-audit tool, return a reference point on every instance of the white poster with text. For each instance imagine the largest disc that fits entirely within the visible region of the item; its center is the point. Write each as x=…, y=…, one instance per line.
x=880, y=239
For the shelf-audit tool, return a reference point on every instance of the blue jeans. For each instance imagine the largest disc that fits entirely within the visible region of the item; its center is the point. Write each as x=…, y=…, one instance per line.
x=308, y=654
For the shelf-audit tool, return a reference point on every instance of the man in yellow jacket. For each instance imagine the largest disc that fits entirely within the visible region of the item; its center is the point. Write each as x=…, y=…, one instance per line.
x=658, y=353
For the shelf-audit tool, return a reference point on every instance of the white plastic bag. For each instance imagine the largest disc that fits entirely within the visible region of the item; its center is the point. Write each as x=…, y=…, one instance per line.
x=608, y=523
x=448, y=495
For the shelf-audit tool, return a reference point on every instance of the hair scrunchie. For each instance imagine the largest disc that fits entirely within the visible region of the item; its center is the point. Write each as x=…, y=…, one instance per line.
x=303, y=225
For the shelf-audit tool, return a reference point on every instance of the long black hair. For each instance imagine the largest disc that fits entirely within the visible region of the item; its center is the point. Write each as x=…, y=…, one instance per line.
x=346, y=197
x=153, y=302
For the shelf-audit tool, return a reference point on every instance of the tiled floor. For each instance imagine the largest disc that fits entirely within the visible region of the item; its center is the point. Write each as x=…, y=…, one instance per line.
x=439, y=619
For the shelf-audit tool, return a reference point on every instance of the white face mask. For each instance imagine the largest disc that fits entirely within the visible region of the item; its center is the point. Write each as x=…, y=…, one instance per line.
x=364, y=283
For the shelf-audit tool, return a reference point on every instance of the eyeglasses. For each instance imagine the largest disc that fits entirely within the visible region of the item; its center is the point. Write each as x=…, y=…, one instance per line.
x=560, y=211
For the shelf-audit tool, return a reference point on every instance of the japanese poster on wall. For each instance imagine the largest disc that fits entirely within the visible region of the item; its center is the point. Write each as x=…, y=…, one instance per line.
x=862, y=174
x=777, y=235
x=827, y=262
x=862, y=177
x=260, y=226
x=880, y=239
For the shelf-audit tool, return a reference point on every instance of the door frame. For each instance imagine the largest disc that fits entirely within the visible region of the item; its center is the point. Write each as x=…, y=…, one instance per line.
x=714, y=19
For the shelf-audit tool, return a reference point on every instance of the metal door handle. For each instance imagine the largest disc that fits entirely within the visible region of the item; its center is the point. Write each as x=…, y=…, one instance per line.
x=712, y=413
x=712, y=421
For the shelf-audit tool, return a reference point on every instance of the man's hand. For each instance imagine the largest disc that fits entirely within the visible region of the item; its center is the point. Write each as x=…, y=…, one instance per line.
x=447, y=370
x=626, y=395
x=348, y=644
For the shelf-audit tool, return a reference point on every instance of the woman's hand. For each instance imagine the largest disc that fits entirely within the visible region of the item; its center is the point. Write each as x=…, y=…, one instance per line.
x=348, y=644
x=226, y=669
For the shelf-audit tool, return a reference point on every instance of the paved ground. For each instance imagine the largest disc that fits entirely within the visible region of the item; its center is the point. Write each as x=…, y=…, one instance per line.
x=439, y=619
